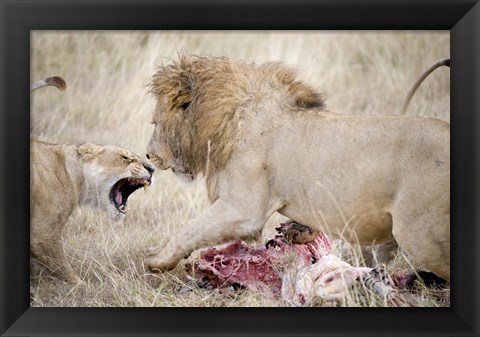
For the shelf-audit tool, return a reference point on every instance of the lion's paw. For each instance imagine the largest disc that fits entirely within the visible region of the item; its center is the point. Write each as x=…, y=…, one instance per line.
x=297, y=233
x=152, y=251
x=157, y=264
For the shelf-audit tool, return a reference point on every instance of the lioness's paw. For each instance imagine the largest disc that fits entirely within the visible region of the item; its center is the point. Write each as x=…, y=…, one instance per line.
x=79, y=282
x=73, y=279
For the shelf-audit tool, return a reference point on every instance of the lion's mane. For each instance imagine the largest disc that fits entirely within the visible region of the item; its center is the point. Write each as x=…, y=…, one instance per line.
x=201, y=102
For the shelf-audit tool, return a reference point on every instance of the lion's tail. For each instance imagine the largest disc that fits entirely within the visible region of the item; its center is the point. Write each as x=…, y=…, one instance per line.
x=412, y=91
x=55, y=81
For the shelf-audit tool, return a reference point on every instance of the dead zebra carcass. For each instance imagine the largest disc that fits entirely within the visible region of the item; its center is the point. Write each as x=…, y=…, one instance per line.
x=301, y=272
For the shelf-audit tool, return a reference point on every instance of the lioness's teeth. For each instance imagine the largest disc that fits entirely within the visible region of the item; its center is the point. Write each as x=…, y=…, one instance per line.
x=145, y=186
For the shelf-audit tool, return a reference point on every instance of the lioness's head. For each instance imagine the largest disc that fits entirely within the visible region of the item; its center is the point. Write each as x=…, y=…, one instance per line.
x=200, y=104
x=111, y=175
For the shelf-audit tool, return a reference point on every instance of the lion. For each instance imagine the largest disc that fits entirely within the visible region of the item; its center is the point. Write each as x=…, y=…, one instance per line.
x=264, y=142
x=66, y=176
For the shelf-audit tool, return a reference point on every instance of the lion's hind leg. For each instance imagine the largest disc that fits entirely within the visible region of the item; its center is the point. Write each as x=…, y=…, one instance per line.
x=424, y=235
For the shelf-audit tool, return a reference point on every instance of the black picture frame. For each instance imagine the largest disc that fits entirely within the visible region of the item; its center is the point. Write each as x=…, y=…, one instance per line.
x=18, y=17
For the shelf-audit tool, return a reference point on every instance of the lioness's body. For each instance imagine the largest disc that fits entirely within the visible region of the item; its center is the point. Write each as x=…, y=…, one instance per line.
x=66, y=176
x=368, y=179
x=53, y=169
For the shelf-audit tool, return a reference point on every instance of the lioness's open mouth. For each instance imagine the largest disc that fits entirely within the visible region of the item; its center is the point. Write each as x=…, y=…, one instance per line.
x=122, y=190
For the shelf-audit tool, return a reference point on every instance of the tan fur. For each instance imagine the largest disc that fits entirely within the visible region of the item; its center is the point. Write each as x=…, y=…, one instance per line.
x=265, y=143
x=214, y=110
x=65, y=176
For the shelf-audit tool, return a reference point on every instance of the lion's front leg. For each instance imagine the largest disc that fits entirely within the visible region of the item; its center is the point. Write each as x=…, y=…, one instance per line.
x=220, y=223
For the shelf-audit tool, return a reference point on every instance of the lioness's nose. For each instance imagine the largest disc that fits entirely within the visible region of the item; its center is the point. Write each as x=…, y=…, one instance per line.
x=148, y=156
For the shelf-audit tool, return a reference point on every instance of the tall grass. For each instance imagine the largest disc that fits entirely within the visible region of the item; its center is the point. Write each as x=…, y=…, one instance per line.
x=106, y=102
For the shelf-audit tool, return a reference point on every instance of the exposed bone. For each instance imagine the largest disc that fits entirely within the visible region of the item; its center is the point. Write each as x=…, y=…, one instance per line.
x=303, y=274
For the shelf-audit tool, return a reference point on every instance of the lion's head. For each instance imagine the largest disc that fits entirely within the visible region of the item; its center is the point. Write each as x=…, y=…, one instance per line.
x=111, y=175
x=200, y=102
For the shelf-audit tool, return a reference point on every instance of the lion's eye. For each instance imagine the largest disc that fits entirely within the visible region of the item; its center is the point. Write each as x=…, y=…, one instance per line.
x=126, y=158
x=185, y=105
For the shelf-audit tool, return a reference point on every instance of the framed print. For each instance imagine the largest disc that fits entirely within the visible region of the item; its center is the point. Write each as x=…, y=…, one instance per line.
x=155, y=91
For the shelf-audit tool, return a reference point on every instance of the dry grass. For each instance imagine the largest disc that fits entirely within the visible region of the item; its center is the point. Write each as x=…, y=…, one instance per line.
x=106, y=102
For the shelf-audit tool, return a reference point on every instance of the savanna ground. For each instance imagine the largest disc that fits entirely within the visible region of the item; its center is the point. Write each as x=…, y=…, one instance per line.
x=106, y=102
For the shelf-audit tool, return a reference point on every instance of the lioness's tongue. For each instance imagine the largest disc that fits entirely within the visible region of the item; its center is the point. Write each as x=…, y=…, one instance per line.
x=118, y=196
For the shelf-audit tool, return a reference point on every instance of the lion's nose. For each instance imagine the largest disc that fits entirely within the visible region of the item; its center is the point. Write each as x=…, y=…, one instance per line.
x=149, y=168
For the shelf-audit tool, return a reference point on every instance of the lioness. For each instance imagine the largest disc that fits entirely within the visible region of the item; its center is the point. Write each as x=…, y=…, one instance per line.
x=65, y=176
x=265, y=143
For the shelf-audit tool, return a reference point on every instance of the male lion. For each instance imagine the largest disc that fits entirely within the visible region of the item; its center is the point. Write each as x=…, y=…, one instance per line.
x=265, y=143
x=65, y=176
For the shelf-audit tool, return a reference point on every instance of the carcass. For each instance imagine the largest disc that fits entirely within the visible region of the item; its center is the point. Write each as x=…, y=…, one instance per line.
x=298, y=263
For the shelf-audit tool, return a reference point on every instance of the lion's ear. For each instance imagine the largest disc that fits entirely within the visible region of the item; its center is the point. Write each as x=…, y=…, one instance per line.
x=306, y=97
x=185, y=91
x=88, y=151
x=183, y=99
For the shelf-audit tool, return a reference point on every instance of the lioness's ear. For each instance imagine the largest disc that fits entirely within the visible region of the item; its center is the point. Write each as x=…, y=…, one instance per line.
x=89, y=151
